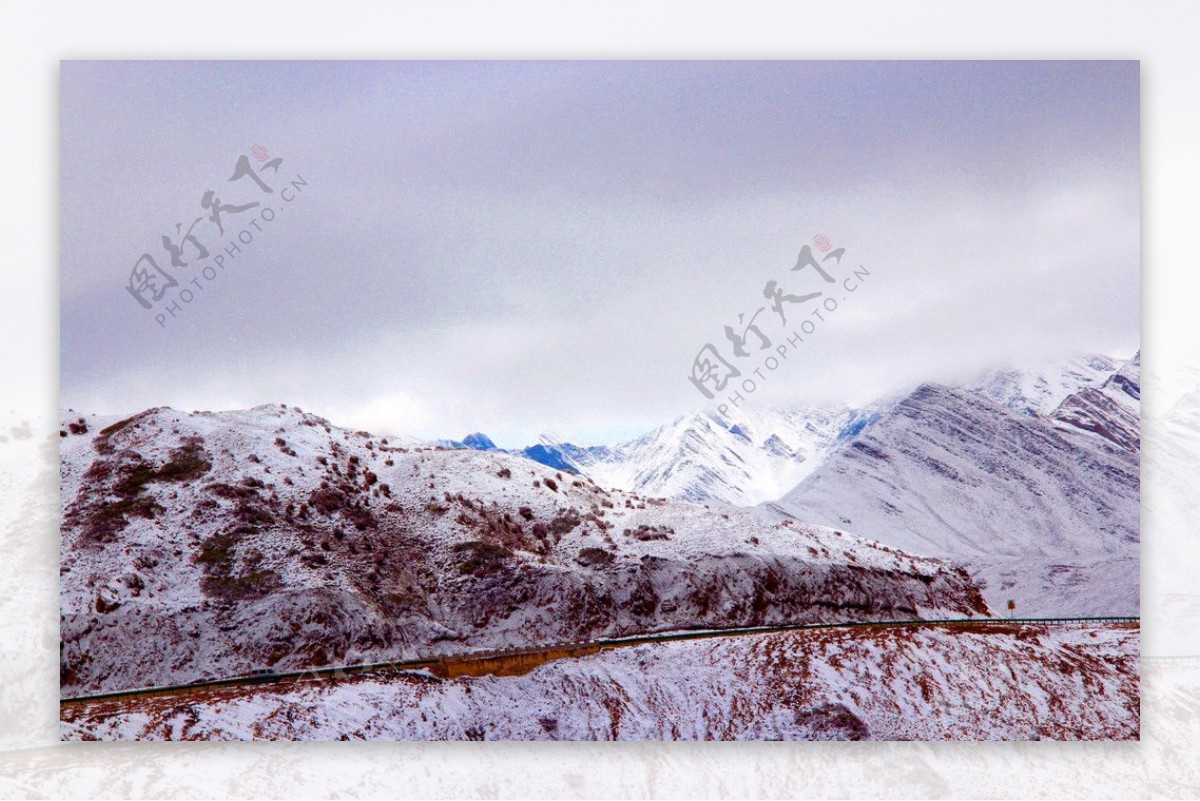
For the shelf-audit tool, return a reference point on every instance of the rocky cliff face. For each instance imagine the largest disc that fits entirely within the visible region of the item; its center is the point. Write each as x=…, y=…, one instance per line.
x=205, y=545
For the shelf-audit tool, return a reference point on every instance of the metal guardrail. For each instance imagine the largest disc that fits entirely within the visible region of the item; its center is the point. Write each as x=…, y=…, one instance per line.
x=440, y=662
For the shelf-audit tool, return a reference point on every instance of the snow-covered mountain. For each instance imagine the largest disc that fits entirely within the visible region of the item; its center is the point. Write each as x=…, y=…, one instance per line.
x=740, y=459
x=1043, y=508
x=761, y=454
x=548, y=451
x=298, y=542
x=205, y=545
x=954, y=683
x=755, y=455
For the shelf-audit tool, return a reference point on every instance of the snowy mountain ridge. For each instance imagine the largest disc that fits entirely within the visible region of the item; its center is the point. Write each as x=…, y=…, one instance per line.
x=1040, y=389
x=755, y=455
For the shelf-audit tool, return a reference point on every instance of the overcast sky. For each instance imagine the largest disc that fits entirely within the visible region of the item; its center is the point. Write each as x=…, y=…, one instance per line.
x=519, y=248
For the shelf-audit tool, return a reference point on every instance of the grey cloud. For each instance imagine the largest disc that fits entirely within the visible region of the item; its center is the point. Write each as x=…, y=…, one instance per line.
x=515, y=247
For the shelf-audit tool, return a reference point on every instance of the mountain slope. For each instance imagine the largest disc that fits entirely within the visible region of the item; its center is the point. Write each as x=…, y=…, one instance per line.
x=1111, y=410
x=1002, y=683
x=205, y=545
x=1044, y=509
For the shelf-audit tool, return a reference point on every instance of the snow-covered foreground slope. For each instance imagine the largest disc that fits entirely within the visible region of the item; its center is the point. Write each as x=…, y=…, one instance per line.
x=936, y=683
x=206, y=545
x=1043, y=508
